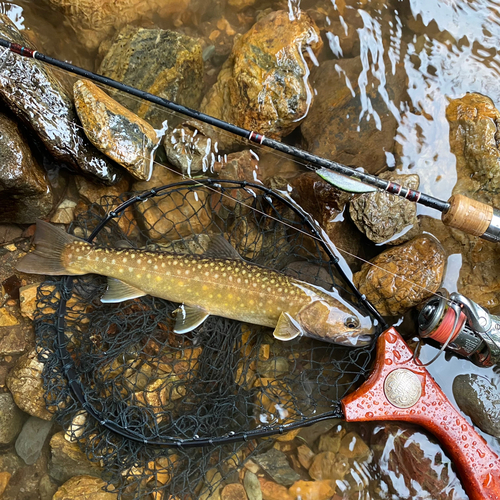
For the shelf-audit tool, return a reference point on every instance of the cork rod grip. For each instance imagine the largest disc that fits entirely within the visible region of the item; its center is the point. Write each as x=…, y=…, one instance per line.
x=469, y=215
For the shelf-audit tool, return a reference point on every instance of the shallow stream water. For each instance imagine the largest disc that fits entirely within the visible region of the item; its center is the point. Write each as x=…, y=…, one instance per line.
x=440, y=50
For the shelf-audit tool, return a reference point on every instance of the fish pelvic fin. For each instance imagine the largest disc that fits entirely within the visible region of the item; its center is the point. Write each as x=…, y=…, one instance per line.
x=50, y=242
x=119, y=291
x=187, y=318
x=287, y=328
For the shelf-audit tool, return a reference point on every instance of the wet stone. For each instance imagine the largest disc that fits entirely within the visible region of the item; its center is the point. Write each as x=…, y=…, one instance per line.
x=273, y=367
x=305, y=456
x=65, y=212
x=162, y=62
x=275, y=463
x=403, y=276
x=387, y=218
x=328, y=465
x=30, y=441
x=25, y=193
x=263, y=84
x=273, y=491
x=312, y=432
x=233, y=491
x=114, y=130
x=252, y=486
x=11, y=419
x=33, y=93
x=67, y=460
x=479, y=398
x=353, y=446
x=9, y=232
x=313, y=490
x=4, y=481
x=83, y=488
x=328, y=442
x=25, y=383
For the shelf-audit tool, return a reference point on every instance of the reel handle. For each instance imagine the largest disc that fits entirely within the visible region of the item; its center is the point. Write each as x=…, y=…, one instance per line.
x=473, y=217
x=420, y=400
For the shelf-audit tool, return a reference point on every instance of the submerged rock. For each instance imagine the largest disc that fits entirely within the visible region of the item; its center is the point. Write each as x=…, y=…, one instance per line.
x=11, y=419
x=402, y=276
x=30, y=442
x=32, y=92
x=478, y=398
x=313, y=490
x=83, y=488
x=381, y=216
x=25, y=193
x=263, y=85
x=162, y=62
x=115, y=131
x=275, y=463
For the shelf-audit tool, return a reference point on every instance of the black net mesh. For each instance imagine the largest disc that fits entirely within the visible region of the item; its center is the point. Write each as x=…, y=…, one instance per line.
x=135, y=395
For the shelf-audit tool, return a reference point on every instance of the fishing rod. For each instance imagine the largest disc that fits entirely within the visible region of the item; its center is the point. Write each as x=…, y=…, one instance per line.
x=460, y=212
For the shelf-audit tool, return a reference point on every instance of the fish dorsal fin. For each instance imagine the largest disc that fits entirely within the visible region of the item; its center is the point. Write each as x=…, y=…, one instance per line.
x=220, y=248
x=118, y=291
x=187, y=318
x=287, y=328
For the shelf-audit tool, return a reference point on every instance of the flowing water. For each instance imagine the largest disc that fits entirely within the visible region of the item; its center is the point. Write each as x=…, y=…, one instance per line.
x=438, y=49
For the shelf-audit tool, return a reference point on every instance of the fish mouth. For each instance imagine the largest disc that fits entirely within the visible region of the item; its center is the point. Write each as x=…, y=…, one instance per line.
x=352, y=339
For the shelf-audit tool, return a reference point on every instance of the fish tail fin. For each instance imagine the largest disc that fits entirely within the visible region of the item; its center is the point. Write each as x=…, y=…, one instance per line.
x=50, y=242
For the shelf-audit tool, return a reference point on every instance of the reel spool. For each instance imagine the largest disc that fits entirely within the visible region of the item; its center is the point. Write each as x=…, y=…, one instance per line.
x=463, y=327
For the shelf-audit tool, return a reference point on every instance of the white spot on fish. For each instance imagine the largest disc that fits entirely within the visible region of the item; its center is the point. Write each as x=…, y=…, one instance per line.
x=124, y=260
x=120, y=270
x=113, y=261
x=156, y=267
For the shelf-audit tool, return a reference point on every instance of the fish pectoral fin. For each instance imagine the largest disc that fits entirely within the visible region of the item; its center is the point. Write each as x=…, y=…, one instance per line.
x=220, y=248
x=287, y=328
x=118, y=291
x=187, y=318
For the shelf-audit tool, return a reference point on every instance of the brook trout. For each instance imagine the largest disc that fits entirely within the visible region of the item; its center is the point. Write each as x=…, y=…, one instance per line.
x=219, y=282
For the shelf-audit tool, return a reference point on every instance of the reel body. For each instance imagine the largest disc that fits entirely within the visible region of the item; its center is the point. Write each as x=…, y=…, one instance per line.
x=462, y=326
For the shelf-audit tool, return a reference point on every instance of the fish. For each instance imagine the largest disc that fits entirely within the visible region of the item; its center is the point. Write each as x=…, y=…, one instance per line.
x=218, y=282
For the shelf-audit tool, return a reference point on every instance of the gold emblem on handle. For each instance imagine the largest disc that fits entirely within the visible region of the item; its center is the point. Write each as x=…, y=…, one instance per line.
x=402, y=388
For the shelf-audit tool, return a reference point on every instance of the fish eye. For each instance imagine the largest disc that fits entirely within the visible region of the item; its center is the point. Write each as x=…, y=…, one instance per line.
x=351, y=322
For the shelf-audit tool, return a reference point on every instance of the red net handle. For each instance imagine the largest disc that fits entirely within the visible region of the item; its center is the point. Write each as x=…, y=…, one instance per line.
x=477, y=465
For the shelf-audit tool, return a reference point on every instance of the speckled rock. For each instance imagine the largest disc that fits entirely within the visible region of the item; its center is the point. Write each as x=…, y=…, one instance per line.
x=337, y=126
x=16, y=332
x=263, y=84
x=273, y=491
x=25, y=383
x=313, y=490
x=403, y=276
x=234, y=491
x=479, y=398
x=33, y=93
x=68, y=460
x=83, y=488
x=329, y=465
x=25, y=193
x=11, y=419
x=162, y=62
x=30, y=441
x=275, y=463
x=114, y=130
x=382, y=216
x=252, y=486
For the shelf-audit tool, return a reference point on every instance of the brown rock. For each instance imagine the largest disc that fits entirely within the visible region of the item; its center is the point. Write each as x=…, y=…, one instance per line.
x=83, y=488
x=353, y=446
x=116, y=131
x=9, y=232
x=403, y=276
x=273, y=491
x=313, y=490
x=92, y=192
x=263, y=84
x=25, y=383
x=234, y=491
x=305, y=456
x=163, y=62
x=337, y=126
x=328, y=442
x=4, y=481
x=381, y=216
x=328, y=465
x=65, y=212
x=16, y=333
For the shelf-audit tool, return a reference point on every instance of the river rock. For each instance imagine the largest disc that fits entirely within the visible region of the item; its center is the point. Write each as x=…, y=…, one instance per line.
x=162, y=62
x=9, y=232
x=68, y=460
x=275, y=463
x=412, y=465
x=114, y=130
x=16, y=332
x=25, y=383
x=234, y=491
x=337, y=126
x=263, y=84
x=403, y=276
x=273, y=491
x=353, y=446
x=11, y=419
x=33, y=93
x=30, y=442
x=4, y=481
x=174, y=216
x=329, y=465
x=25, y=193
x=252, y=486
x=381, y=216
x=313, y=490
x=84, y=488
x=479, y=398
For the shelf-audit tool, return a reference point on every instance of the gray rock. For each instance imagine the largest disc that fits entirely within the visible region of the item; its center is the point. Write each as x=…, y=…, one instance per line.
x=33, y=93
x=381, y=216
x=478, y=398
x=163, y=62
x=274, y=462
x=252, y=486
x=25, y=194
x=273, y=367
x=30, y=442
x=11, y=419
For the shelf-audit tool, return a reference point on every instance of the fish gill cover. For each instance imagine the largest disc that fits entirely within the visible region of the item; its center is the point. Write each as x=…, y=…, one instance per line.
x=136, y=389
